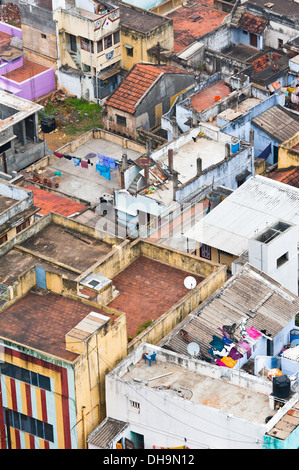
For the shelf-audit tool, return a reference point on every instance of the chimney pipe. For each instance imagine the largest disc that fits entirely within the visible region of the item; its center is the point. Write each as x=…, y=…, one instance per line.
x=175, y=183
x=146, y=176
x=199, y=166
x=124, y=161
x=170, y=160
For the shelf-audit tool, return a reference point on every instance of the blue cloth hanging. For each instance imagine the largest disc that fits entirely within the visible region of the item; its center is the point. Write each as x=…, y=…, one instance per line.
x=104, y=171
x=76, y=161
x=265, y=153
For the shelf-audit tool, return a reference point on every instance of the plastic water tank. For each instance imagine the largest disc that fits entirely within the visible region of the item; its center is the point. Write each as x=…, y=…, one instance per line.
x=294, y=337
x=281, y=386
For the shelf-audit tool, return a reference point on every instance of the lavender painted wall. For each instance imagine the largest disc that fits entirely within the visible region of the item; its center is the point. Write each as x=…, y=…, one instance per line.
x=6, y=67
x=32, y=88
x=9, y=29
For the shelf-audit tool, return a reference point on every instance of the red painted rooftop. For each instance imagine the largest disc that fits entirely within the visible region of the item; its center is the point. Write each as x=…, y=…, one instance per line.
x=50, y=202
x=194, y=20
x=136, y=84
x=208, y=96
x=148, y=289
x=28, y=70
x=42, y=321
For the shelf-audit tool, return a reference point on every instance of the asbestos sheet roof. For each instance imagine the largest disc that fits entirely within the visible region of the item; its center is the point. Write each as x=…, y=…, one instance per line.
x=258, y=203
x=103, y=434
x=278, y=123
x=250, y=294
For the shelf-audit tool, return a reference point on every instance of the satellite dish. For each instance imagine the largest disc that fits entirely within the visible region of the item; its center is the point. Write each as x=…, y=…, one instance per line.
x=190, y=282
x=193, y=349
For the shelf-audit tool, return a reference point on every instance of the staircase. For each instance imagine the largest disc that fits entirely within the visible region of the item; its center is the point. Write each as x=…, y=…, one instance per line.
x=237, y=16
x=4, y=294
x=133, y=186
x=75, y=58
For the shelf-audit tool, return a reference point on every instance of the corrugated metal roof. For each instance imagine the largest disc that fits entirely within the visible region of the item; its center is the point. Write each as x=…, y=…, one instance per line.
x=258, y=203
x=278, y=122
x=292, y=354
x=248, y=294
x=105, y=432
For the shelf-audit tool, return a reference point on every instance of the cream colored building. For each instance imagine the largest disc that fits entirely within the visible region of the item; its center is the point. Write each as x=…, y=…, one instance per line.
x=88, y=38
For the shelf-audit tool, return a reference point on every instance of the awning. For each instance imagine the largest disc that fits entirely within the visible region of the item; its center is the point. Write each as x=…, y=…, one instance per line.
x=128, y=46
x=243, y=175
x=109, y=73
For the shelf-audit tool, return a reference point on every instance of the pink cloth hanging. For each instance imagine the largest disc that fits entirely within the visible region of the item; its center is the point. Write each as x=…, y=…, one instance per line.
x=253, y=333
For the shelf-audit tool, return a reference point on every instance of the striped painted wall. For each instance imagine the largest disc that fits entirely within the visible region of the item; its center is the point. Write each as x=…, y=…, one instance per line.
x=55, y=407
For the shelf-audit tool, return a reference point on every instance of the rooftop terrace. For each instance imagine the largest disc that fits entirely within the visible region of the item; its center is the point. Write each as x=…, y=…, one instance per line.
x=67, y=246
x=148, y=289
x=193, y=20
x=41, y=321
x=88, y=184
x=209, y=95
x=201, y=389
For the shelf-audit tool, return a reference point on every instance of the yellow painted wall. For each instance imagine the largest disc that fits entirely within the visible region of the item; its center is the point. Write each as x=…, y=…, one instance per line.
x=102, y=353
x=141, y=43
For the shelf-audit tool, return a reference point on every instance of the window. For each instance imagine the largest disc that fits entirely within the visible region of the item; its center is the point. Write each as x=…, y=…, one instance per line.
x=44, y=36
x=30, y=425
x=116, y=37
x=100, y=46
x=86, y=45
x=121, y=120
x=25, y=375
x=205, y=251
x=282, y=260
x=280, y=43
x=129, y=51
x=73, y=43
x=245, y=32
x=108, y=41
x=135, y=406
x=23, y=225
x=3, y=239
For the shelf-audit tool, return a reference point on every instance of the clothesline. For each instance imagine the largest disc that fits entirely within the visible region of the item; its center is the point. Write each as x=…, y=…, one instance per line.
x=104, y=166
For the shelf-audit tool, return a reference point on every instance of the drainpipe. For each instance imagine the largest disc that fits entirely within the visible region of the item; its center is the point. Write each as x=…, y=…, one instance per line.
x=83, y=426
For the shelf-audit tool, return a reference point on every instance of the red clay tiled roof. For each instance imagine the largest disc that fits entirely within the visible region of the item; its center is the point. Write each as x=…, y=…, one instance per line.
x=252, y=24
x=288, y=176
x=136, y=84
x=192, y=21
x=264, y=61
x=50, y=202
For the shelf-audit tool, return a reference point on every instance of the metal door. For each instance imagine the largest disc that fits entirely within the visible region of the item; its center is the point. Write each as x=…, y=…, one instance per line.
x=40, y=274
